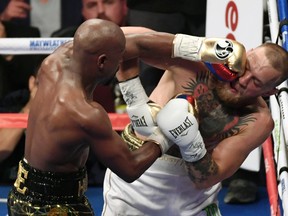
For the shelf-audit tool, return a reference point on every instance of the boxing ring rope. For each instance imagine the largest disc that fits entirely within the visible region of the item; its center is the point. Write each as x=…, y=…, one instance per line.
x=19, y=120
x=279, y=105
x=30, y=46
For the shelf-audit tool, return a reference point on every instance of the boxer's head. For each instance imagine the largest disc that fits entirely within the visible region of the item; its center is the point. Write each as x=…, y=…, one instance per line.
x=98, y=47
x=266, y=68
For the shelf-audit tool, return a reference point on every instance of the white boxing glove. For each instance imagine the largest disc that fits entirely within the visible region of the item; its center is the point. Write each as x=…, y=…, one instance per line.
x=141, y=112
x=180, y=126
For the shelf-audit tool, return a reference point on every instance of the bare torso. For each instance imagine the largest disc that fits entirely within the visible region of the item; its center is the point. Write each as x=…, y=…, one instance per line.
x=216, y=121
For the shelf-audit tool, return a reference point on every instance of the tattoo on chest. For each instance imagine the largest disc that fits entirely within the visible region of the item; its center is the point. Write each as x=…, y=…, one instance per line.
x=217, y=121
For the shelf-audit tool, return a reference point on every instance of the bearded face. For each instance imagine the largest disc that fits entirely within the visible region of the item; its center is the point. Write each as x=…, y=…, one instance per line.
x=229, y=96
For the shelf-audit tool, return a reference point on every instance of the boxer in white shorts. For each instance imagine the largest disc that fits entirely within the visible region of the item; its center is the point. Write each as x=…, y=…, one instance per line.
x=161, y=191
x=227, y=120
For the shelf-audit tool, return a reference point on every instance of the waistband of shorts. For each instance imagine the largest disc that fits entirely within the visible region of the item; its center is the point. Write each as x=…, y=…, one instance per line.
x=171, y=164
x=34, y=182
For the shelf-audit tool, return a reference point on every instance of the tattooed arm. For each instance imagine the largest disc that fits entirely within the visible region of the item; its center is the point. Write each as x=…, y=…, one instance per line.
x=221, y=162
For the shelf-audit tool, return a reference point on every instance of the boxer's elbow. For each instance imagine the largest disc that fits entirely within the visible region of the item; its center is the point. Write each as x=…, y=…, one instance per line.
x=130, y=176
x=131, y=179
x=129, y=173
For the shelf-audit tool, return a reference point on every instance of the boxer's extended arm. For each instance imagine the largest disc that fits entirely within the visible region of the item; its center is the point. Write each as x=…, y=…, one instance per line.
x=154, y=48
x=129, y=67
x=164, y=50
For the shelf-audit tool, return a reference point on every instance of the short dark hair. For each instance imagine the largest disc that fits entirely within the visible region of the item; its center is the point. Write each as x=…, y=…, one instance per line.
x=278, y=58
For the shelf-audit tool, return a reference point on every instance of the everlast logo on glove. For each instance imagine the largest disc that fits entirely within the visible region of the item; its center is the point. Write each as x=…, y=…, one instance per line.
x=179, y=130
x=139, y=122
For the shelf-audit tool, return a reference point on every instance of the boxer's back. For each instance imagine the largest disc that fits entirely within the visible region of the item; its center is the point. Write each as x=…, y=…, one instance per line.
x=53, y=135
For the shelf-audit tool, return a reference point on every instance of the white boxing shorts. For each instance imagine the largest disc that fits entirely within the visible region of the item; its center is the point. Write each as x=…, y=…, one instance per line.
x=164, y=189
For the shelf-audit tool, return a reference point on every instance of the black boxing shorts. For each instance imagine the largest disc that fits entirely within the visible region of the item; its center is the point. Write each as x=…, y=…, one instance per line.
x=47, y=193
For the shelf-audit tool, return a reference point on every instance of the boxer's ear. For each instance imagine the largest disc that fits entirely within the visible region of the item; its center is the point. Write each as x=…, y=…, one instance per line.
x=101, y=61
x=271, y=92
x=31, y=82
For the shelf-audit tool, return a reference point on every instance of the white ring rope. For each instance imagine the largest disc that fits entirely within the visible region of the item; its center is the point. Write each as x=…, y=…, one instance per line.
x=21, y=46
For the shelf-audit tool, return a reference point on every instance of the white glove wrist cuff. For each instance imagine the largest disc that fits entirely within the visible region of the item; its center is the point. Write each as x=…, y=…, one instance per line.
x=187, y=47
x=193, y=156
x=160, y=140
x=133, y=92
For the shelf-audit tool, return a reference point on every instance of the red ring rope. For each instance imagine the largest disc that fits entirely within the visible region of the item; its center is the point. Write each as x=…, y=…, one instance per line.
x=271, y=177
x=19, y=120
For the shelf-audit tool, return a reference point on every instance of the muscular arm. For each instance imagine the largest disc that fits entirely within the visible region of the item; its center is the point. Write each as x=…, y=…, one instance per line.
x=230, y=153
x=128, y=165
x=147, y=43
x=149, y=46
x=152, y=47
x=113, y=152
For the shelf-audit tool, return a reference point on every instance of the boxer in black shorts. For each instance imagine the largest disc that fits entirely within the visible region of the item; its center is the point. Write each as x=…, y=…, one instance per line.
x=65, y=123
x=48, y=192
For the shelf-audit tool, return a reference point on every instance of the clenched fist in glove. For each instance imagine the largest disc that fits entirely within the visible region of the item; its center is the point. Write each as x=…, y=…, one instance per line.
x=225, y=58
x=177, y=122
x=142, y=113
